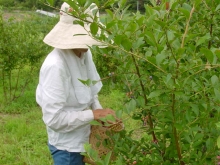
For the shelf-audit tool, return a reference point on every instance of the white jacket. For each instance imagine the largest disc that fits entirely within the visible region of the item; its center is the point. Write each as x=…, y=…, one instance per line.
x=66, y=103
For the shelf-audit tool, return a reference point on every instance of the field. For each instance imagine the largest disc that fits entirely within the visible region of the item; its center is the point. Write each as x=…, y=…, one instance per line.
x=23, y=139
x=18, y=15
x=161, y=70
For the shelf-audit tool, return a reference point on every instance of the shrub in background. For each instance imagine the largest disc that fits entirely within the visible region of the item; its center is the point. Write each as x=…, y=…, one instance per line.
x=21, y=50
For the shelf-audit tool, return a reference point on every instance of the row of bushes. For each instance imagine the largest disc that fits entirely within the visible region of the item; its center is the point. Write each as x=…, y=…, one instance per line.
x=27, y=4
x=40, y=4
x=21, y=51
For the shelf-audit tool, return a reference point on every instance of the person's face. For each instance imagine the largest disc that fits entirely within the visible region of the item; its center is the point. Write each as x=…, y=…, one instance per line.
x=82, y=50
x=79, y=52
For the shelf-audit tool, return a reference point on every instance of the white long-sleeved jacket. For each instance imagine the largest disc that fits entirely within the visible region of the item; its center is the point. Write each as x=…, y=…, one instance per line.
x=66, y=103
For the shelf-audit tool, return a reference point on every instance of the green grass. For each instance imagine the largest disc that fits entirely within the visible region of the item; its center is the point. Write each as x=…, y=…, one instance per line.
x=23, y=139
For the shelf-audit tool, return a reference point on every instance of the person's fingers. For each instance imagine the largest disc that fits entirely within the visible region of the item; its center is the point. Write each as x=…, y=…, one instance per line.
x=100, y=113
x=109, y=113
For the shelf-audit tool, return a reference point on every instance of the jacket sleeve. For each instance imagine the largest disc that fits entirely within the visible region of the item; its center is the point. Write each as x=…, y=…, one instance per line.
x=53, y=86
x=95, y=104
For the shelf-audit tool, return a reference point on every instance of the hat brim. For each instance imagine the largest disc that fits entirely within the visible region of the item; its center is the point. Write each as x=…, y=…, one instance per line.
x=70, y=36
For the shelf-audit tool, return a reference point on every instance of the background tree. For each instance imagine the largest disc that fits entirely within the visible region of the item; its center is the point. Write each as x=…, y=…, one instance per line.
x=138, y=4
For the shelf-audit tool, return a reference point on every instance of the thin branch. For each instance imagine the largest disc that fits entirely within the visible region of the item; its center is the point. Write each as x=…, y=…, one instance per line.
x=187, y=27
x=205, y=65
x=200, y=71
x=133, y=54
x=168, y=44
x=145, y=100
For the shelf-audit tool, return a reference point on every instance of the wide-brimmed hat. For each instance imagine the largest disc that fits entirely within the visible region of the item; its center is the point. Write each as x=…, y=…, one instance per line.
x=67, y=35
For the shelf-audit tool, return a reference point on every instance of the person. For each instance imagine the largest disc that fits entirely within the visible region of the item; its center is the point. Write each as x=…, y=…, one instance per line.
x=68, y=106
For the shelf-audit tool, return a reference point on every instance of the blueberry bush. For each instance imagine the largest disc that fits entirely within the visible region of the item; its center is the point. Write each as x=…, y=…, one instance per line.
x=21, y=51
x=168, y=63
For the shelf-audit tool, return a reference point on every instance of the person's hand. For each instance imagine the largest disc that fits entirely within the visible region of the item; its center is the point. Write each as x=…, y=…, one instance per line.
x=101, y=113
x=115, y=124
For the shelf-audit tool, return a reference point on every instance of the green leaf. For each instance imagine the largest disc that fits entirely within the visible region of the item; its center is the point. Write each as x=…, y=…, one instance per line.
x=138, y=43
x=217, y=8
x=88, y=3
x=122, y=3
x=160, y=58
x=118, y=39
x=110, y=24
x=126, y=44
x=88, y=82
x=51, y=2
x=218, y=142
x=209, y=143
x=170, y=35
x=195, y=109
x=179, y=126
x=203, y=39
x=130, y=106
x=107, y=158
x=217, y=53
x=173, y=5
x=205, y=106
x=185, y=12
x=110, y=118
x=187, y=7
x=73, y=4
x=208, y=54
x=79, y=22
x=198, y=136
x=95, y=122
x=119, y=113
x=109, y=12
x=168, y=78
x=214, y=80
x=82, y=2
x=217, y=93
x=151, y=38
x=94, y=28
x=141, y=101
x=154, y=94
x=108, y=3
x=161, y=23
x=218, y=125
x=93, y=82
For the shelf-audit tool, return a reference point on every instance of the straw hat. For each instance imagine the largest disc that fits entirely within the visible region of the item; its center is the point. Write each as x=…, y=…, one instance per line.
x=65, y=34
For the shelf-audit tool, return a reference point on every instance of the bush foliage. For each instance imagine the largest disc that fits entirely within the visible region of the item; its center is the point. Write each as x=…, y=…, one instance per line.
x=167, y=62
x=40, y=4
x=21, y=50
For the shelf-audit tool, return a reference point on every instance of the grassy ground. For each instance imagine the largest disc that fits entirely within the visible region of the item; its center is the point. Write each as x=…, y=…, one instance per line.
x=23, y=139
x=18, y=15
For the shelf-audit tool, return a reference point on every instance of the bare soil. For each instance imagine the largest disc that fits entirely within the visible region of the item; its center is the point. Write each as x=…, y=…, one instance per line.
x=17, y=15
